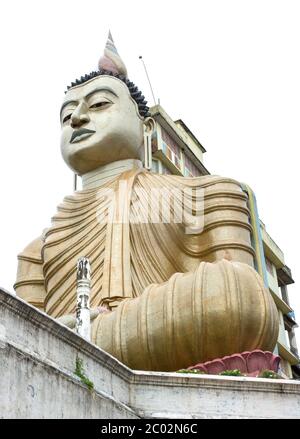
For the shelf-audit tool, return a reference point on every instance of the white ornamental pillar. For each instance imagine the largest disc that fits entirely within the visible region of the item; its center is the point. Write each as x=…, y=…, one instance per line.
x=83, y=320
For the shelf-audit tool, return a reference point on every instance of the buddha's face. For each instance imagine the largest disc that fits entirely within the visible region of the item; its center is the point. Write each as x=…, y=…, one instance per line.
x=100, y=124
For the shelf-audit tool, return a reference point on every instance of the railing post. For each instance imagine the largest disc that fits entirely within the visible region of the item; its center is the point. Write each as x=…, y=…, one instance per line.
x=83, y=320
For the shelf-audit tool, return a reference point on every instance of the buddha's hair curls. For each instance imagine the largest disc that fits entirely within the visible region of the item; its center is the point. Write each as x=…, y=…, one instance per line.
x=133, y=90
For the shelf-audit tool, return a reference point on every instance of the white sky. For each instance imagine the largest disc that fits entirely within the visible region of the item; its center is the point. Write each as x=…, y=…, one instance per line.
x=230, y=69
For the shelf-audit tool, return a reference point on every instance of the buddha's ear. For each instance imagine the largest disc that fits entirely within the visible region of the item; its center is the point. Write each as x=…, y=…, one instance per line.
x=149, y=126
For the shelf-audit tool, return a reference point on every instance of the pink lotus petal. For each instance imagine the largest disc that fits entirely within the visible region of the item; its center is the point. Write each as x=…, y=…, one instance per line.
x=245, y=354
x=257, y=360
x=215, y=366
x=275, y=363
x=269, y=357
x=235, y=361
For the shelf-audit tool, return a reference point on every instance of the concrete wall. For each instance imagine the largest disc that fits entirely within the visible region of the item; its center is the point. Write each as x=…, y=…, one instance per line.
x=37, y=380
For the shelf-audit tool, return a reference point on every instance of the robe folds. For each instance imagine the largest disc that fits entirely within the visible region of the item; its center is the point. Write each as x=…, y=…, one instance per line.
x=178, y=279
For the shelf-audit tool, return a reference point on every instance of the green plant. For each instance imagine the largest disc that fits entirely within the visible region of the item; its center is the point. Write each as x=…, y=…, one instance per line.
x=233, y=373
x=79, y=371
x=195, y=371
x=269, y=374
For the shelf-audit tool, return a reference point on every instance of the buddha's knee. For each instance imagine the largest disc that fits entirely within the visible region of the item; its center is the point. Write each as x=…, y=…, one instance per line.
x=219, y=309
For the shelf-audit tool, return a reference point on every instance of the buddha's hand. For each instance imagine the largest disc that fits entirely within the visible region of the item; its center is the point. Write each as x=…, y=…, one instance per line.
x=69, y=320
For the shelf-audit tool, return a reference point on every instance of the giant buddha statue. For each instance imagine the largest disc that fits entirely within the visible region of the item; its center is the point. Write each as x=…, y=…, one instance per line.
x=165, y=294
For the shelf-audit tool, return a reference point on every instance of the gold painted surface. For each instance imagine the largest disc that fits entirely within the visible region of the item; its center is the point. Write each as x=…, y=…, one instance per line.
x=177, y=299
x=218, y=309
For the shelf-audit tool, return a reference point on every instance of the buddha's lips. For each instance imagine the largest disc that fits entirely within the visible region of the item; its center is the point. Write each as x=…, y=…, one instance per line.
x=79, y=133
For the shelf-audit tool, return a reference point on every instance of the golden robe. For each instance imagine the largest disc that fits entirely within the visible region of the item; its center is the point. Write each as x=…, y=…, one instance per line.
x=177, y=298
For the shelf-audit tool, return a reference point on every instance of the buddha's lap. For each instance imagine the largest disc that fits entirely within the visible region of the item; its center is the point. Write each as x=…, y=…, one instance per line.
x=219, y=309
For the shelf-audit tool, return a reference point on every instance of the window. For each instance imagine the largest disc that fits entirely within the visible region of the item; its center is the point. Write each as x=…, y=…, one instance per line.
x=155, y=167
x=171, y=149
x=190, y=170
x=165, y=170
x=269, y=266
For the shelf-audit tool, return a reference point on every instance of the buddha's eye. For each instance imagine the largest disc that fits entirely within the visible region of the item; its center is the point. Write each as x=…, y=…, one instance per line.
x=66, y=118
x=100, y=104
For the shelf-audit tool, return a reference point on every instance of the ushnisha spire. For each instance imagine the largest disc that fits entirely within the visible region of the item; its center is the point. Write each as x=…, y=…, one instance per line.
x=111, y=60
x=112, y=65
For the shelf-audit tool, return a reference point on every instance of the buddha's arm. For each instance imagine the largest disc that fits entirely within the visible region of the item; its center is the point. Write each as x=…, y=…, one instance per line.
x=227, y=229
x=30, y=279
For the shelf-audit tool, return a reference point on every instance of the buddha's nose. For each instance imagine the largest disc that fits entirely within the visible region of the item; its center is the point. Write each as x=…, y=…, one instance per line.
x=79, y=116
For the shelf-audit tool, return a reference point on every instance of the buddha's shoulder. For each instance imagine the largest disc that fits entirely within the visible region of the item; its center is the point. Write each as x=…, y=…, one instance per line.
x=206, y=181
x=33, y=251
